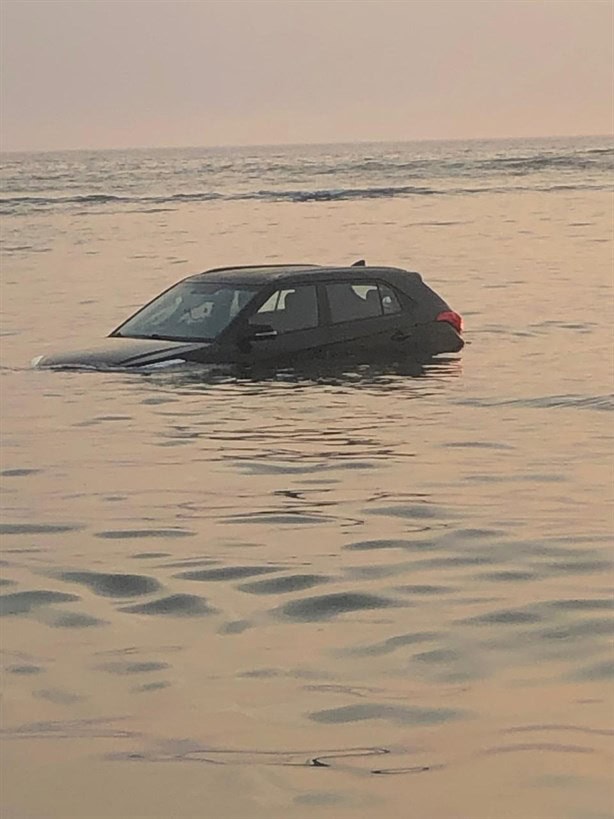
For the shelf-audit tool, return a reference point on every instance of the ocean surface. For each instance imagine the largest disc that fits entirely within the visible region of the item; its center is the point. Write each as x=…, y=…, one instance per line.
x=340, y=594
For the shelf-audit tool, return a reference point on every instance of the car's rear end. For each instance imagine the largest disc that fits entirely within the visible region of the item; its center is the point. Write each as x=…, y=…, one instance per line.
x=444, y=334
x=436, y=327
x=440, y=327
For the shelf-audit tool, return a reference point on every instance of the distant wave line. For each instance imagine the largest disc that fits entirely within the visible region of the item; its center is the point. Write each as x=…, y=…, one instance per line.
x=20, y=204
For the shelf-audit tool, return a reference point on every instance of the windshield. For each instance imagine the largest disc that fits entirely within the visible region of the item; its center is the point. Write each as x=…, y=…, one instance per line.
x=190, y=311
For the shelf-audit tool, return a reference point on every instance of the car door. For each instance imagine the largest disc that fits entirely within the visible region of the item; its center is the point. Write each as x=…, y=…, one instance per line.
x=286, y=325
x=365, y=318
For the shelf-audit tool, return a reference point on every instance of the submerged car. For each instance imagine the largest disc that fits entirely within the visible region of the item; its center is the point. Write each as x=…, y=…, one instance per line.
x=280, y=313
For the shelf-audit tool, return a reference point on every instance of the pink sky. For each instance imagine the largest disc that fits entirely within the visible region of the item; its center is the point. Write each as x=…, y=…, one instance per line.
x=128, y=73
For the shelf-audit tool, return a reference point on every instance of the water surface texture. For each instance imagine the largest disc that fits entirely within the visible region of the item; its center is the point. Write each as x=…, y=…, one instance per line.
x=361, y=592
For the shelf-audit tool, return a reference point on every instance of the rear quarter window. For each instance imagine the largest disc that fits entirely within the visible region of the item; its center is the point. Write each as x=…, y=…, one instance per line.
x=390, y=301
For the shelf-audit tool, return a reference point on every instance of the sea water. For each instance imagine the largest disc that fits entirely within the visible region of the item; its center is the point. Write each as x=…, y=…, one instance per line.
x=372, y=591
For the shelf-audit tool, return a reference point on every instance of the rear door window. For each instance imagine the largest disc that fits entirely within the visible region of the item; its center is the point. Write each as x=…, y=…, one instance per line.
x=293, y=308
x=352, y=301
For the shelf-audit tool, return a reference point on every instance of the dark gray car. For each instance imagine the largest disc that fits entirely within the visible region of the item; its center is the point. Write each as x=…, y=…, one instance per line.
x=280, y=313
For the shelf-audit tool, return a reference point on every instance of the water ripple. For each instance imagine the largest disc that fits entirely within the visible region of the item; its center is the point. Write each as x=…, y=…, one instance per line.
x=331, y=605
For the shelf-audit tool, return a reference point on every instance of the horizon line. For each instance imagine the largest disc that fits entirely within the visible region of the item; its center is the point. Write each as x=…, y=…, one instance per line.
x=313, y=144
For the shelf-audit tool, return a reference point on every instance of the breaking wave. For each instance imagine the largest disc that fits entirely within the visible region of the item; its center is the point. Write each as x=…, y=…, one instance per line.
x=21, y=205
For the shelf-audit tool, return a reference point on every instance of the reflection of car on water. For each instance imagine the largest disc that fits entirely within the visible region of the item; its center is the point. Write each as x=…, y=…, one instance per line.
x=245, y=315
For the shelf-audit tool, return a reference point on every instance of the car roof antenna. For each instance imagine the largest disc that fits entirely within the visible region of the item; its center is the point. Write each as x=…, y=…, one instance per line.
x=359, y=263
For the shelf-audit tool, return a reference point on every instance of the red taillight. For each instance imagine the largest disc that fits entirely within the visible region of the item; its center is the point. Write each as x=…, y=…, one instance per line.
x=452, y=318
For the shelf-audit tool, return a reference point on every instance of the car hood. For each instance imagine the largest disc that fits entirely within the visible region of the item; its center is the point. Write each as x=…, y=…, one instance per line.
x=116, y=351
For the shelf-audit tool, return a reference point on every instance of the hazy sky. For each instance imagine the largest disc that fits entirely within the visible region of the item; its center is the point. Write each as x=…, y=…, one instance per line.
x=122, y=73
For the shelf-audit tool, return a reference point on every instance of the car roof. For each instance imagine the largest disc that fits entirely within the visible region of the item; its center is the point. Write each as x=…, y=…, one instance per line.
x=279, y=273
